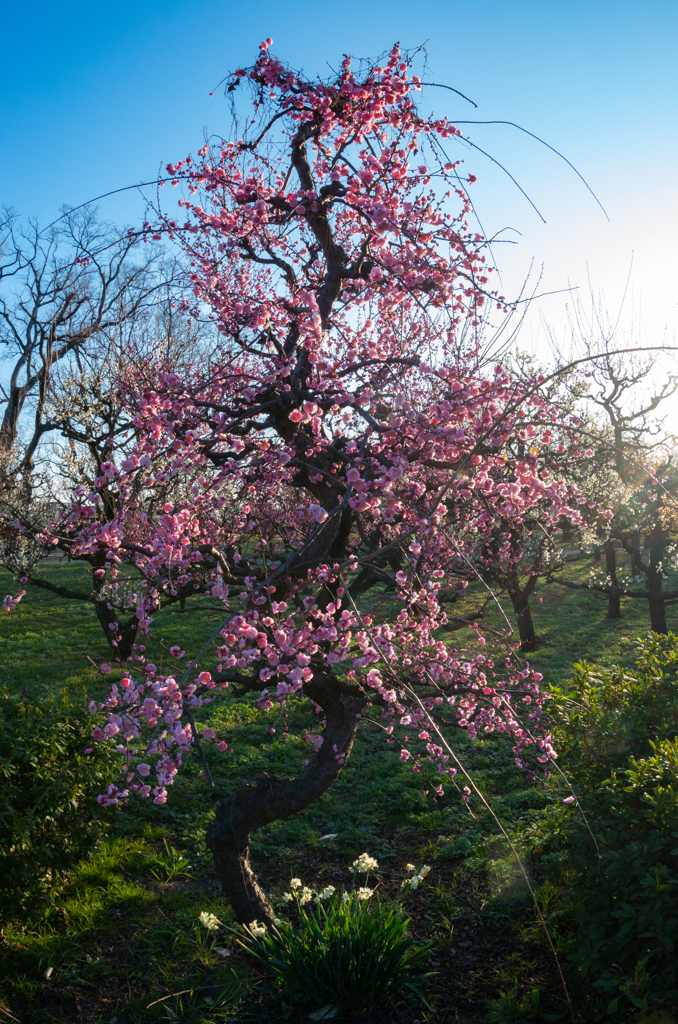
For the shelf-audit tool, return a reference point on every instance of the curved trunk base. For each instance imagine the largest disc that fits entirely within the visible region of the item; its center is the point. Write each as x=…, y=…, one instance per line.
x=238, y=881
x=270, y=798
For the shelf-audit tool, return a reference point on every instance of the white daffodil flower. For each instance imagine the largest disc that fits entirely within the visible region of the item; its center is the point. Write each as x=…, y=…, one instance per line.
x=365, y=863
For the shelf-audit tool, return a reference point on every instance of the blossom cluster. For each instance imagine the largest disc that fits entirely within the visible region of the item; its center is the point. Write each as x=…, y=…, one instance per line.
x=303, y=894
x=256, y=929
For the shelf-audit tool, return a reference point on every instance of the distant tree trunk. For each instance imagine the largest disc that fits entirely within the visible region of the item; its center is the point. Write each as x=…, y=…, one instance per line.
x=108, y=617
x=613, y=597
x=114, y=629
x=596, y=554
x=655, y=580
x=520, y=601
x=636, y=566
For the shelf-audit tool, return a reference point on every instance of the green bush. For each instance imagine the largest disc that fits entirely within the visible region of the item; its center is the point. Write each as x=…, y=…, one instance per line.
x=617, y=737
x=49, y=817
x=608, y=716
x=352, y=953
x=627, y=938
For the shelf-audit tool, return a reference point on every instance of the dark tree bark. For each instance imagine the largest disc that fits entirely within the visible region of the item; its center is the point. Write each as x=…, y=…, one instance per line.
x=655, y=579
x=636, y=565
x=120, y=635
x=614, y=592
x=270, y=798
x=520, y=601
x=656, y=539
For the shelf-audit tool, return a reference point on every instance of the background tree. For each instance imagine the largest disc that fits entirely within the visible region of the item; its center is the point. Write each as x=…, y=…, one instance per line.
x=519, y=552
x=629, y=439
x=94, y=435
x=638, y=444
x=62, y=289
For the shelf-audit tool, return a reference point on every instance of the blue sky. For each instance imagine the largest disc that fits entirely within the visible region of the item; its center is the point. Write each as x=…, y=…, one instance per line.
x=96, y=96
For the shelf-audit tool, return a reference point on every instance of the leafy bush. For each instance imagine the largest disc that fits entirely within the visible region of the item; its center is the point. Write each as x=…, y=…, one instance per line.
x=628, y=916
x=619, y=747
x=608, y=716
x=351, y=953
x=49, y=817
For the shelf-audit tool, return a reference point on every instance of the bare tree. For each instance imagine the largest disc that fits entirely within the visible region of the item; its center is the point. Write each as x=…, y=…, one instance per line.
x=59, y=290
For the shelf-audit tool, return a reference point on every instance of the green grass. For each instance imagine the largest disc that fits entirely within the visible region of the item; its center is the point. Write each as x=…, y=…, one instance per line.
x=47, y=641
x=122, y=932
x=116, y=928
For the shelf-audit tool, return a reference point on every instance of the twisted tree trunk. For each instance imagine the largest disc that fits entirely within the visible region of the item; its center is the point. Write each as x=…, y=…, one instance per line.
x=270, y=798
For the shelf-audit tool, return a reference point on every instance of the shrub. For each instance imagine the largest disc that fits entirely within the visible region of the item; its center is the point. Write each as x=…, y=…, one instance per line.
x=628, y=907
x=617, y=737
x=611, y=715
x=49, y=817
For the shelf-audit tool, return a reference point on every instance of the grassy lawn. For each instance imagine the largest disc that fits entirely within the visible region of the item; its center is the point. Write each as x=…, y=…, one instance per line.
x=120, y=940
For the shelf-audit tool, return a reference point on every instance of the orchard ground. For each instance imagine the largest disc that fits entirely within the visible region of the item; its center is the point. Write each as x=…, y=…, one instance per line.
x=122, y=935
